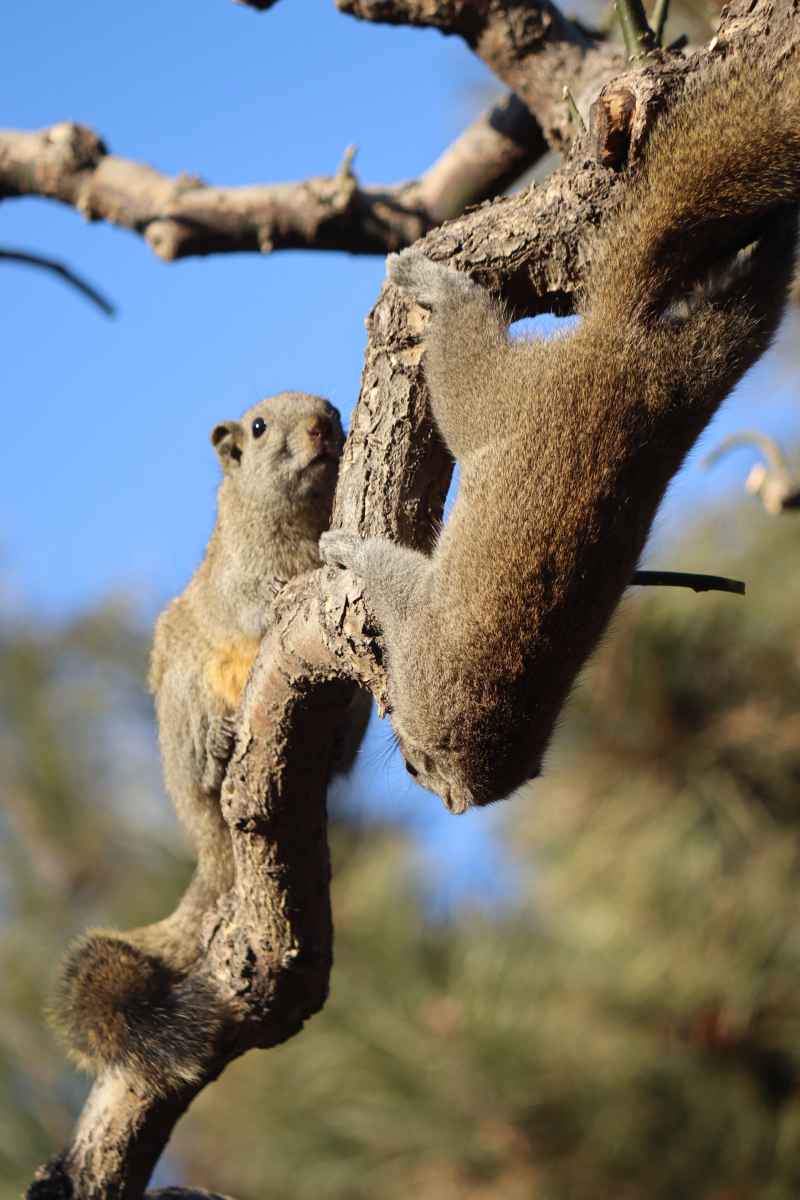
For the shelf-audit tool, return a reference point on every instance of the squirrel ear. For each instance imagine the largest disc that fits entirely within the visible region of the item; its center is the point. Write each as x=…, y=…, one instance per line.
x=228, y=439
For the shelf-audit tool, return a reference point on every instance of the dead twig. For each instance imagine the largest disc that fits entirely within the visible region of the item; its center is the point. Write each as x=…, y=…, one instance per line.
x=769, y=480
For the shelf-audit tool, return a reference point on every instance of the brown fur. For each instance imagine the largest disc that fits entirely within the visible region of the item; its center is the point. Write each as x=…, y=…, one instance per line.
x=124, y=1000
x=566, y=447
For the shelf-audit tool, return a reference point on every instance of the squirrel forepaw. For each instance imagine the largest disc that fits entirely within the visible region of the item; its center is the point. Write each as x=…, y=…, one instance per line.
x=428, y=282
x=338, y=548
x=220, y=742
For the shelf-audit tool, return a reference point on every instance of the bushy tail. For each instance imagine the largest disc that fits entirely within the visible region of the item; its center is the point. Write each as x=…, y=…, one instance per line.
x=722, y=162
x=130, y=1002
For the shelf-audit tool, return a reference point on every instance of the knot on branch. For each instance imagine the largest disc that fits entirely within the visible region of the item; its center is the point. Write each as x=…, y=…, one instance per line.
x=76, y=147
x=621, y=117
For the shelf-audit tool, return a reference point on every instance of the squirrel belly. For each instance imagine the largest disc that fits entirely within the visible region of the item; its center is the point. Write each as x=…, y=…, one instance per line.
x=136, y=1001
x=228, y=669
x=566, y=446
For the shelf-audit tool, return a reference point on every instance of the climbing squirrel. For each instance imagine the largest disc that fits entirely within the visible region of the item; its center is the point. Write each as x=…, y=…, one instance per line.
x=565, y=446
x=123, y=999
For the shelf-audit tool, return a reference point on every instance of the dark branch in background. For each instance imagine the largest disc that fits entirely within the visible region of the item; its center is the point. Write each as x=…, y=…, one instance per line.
x=64, y=272
x=183, y=216
x=698, y=583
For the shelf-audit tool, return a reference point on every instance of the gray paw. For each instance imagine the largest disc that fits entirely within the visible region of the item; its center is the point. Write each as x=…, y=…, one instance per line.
x=340, y=549
x=428, y=282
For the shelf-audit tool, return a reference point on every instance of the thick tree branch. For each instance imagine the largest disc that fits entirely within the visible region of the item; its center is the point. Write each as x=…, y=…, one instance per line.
x=531, y=47
x=268, y=944
x=183, y=216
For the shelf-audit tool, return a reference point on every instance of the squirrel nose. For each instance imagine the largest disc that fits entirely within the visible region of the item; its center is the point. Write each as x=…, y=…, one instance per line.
x=321, y=431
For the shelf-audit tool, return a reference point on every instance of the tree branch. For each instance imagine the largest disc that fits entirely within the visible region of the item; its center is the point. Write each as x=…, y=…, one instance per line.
x=268, y=943
x=183, y=216
x=531, y=47
x=684, y=579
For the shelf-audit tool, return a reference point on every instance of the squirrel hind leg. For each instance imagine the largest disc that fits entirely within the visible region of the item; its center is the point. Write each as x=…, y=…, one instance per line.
x=119, y=1008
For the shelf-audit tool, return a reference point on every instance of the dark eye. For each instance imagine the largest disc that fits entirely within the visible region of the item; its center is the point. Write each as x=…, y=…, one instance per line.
x=412, y=770
x=259, y=427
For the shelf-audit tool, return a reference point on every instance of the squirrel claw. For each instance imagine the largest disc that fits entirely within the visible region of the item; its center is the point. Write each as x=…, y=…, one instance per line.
x=220, y=743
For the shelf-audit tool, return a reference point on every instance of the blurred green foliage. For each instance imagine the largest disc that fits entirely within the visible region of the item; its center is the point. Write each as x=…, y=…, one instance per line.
x=629, y=1029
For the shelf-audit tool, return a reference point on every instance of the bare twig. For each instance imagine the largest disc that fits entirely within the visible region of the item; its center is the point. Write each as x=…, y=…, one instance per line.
x=573, y=108
x=698, y=583
x=64, y=272
x=769, y=480
x=659, y=20
x=636, y=33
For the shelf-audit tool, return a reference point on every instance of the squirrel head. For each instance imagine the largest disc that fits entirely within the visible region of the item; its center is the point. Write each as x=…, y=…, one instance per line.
x=284, y=452
x=463, y=764
x=459, y=777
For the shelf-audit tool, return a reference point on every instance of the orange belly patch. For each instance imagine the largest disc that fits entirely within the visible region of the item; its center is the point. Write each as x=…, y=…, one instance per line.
x=229, y=667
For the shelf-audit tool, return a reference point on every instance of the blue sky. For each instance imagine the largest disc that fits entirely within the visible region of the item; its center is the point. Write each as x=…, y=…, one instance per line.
x=108, y=478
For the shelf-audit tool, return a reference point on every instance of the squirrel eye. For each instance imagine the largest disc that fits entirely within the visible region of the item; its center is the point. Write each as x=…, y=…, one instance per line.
x=259, y=427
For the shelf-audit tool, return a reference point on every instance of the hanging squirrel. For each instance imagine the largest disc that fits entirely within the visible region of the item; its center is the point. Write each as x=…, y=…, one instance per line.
x=566, y=446
x=123, y=999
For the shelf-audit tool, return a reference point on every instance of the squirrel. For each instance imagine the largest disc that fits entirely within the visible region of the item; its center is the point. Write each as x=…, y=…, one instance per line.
x=566, y=446
x=123, y=999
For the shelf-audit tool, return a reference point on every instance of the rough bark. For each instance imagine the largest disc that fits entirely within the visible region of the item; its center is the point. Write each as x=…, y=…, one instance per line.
x=183, y=216
x=268, y=943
